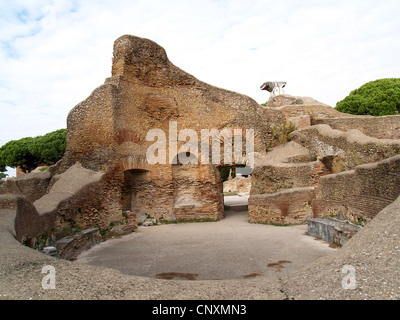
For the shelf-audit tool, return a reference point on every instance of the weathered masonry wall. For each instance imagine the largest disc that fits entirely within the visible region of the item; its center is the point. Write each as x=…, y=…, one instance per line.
x=198, y=192
x=28, y=223
x=290, y=206
x=107, y=132
x=361, y=193
x=90, y=136
x=270, y=179
x=32, y=186
x=353, y=147
x=384, y=127
x=281, y=191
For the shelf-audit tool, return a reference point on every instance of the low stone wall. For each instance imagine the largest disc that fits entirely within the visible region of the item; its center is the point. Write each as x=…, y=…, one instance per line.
x=361, y=193
x=385, y=127
x=313, y=109
x=271, y=179
x=89, y=207
x=28, y=222
x=353, y=147
x=290, y=206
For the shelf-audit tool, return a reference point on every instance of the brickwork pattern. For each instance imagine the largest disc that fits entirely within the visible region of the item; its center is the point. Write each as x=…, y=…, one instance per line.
x=361, y=193
x=291, y=206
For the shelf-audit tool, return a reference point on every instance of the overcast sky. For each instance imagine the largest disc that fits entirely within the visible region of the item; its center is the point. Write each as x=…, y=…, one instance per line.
x=54, y=53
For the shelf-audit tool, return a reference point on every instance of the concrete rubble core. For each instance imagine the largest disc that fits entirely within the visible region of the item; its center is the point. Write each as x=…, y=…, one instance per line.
x=329, y=162
x=66, y=185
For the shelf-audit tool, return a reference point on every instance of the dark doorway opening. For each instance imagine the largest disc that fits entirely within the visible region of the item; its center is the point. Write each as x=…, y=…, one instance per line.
x=133, y=184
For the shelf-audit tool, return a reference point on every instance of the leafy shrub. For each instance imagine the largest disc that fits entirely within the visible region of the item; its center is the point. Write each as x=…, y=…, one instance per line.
x=378, y=98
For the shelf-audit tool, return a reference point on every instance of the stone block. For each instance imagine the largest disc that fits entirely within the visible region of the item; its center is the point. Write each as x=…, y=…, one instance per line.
x=50, y=251
x=332, y=231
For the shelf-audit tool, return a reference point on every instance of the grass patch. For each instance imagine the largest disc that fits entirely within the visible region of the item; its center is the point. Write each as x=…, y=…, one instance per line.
x=227, y=194
x=280, y=134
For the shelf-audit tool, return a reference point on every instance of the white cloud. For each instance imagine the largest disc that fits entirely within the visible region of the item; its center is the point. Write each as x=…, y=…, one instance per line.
x=54, y=53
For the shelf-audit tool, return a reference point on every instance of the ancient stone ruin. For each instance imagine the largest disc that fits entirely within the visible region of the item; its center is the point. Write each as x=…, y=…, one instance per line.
x=105, y=178
x=310, y=161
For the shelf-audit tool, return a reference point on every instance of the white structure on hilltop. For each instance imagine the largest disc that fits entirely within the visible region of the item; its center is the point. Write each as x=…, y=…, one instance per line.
x=275, y=87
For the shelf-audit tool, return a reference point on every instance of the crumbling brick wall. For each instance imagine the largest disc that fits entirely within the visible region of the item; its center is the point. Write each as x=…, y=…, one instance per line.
x=270, y=179
x=108, y=130
x=290, y=206
x=28, y=222
x=361, y=193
